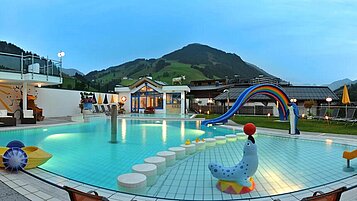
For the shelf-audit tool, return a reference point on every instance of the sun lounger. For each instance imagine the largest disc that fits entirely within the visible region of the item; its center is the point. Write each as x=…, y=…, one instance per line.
x=350, y=115
x=6, y=120
x=103, y=108
x=96, y=109
x=334, y=195
x=28, y=117
x=321, y=113
x=109, y=108
x=76, y=195
x=330, y=196
x=335, y=113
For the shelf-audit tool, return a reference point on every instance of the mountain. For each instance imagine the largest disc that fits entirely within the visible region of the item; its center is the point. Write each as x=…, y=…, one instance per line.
x=339, y=83
x=195, y=61
x=71, y=71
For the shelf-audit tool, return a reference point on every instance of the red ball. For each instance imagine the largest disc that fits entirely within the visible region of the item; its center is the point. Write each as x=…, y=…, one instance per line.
x=249, y=129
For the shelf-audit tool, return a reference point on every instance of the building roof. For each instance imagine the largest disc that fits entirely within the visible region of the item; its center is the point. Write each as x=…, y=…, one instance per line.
x=208, y=87
x=155, y=83
x=319, y=93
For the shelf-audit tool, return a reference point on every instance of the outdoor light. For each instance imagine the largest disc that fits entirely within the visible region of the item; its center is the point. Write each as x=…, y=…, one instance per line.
x=303, y=115
x=268, y=115
x=39, y=85
x=200, y=111
x=326, y=117
x=293, y=100
x=208, y=112
x=60, y=54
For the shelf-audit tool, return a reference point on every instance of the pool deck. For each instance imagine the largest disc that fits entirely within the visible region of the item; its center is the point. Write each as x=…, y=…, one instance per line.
x=21, y=186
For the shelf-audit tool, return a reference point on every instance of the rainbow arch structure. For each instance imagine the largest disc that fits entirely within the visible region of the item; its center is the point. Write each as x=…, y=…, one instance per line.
x=267, y=89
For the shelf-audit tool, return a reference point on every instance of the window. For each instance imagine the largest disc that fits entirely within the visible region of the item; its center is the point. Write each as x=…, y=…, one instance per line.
x=147, y=97
x=174, y=98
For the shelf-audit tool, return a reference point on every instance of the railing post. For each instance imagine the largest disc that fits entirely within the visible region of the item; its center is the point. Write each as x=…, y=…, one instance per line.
x=47, y=68
x=32, y=64
x=22, y=65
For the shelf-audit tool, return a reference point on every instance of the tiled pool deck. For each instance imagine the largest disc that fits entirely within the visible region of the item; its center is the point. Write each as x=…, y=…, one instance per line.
x=189, y=179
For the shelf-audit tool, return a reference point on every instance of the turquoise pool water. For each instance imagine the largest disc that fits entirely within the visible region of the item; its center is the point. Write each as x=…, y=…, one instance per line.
x=83, y=152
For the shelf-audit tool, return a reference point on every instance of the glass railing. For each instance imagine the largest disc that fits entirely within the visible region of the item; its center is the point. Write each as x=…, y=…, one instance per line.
x=29, y=64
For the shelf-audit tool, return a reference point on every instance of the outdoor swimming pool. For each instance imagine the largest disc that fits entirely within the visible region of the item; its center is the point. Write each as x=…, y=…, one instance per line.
x=82, y=152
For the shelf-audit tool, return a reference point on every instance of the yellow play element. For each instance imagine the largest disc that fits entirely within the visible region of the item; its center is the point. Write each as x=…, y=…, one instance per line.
x=188, y=142
x=197, y=140
x=349, y=155
x=231, y=187
x=35, y=155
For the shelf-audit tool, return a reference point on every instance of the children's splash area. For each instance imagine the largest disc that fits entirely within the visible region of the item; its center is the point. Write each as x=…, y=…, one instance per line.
x=187, y=159
x=83, y=153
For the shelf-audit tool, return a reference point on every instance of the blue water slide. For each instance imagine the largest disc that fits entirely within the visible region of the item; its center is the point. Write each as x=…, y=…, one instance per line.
x=235, y=107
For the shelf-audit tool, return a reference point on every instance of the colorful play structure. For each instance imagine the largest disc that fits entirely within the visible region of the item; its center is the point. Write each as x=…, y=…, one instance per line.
x=16, y=156
x=238, y=179
x=31, y=105
x=271, y=90
x=349, y=155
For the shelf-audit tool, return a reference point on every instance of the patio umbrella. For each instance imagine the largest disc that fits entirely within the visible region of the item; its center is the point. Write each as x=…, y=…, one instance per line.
x=105, y=99
x=112, y=99
x=345, y=98
x=100, y=100
x=94, y=99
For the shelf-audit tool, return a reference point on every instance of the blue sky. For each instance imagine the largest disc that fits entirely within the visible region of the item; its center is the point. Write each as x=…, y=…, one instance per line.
x=301, y=41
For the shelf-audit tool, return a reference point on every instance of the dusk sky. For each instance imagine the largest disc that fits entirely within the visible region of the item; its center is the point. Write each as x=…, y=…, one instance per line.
x=305, y=42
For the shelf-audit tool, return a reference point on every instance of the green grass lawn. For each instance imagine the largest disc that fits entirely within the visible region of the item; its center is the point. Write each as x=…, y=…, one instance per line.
x=311, y=125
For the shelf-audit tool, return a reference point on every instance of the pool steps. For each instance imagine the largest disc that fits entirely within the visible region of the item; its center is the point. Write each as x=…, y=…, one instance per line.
x=145, y=174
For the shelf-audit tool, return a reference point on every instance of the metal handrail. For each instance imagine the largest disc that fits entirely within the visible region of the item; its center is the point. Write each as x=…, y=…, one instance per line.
x=30, y=59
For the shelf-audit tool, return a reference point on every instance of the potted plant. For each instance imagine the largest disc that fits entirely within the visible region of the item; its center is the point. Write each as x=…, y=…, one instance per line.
x=308, y=105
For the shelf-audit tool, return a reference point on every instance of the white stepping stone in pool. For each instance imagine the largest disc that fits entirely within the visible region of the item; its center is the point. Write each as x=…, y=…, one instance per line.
x=147, y=169
x=160, y=163
x=220, y=139
x=210, y=142
x=132, y=183
x=170, y=157
x=200, y=145
x=190, y=148
x=180, y=152
x=231, y=138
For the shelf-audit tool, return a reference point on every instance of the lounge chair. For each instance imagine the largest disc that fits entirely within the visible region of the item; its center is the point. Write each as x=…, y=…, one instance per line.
x=330, y=196
x=6, y=120
x=106, y=112
x=96, y=109
x=103, y=108
x=350, y=115
x=334, y=195
x=109, y=108
x=28, y=117
x=149, y=110
x=76, y=195
x=321, y=113
x=335, y=113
